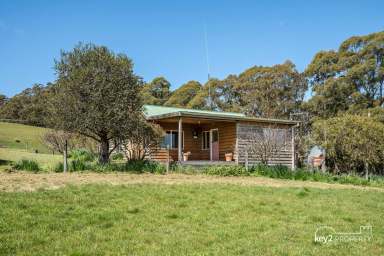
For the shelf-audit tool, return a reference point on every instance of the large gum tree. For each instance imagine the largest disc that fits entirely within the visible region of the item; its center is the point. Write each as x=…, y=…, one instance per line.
x=97, y=94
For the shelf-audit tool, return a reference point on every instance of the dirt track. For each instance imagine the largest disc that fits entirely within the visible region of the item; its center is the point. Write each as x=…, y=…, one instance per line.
x=22, y=181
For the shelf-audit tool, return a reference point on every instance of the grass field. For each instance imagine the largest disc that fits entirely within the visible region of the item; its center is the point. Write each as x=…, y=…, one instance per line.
x=47, y=161
x=21, y=136
x=18, y=141
x=186, y=219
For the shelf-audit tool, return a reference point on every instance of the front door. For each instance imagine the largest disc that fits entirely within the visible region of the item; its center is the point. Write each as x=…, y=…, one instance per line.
x=214, y=145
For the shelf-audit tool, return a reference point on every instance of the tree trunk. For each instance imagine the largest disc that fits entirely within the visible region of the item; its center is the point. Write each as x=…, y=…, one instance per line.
x=366, y=171
x=104, y=151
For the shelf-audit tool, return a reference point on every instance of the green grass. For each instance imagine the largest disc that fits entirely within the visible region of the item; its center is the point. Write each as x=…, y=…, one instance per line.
x=19, y=136
x=47, y=161
x=186, y=219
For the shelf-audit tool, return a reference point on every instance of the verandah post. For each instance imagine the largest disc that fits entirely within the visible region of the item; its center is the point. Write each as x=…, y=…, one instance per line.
x=293, y=149
x=168, y=159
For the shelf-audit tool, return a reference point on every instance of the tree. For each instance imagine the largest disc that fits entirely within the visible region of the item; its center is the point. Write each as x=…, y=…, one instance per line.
x=3, y=99
x=55, y=140
x=272, y=92
x=29, y=106
x=144, y=138
x=264, y=143
x=97, y=95
x=348, y=79
x=183, y=95
x=352, y=142
x=217, y=95
x=156, y=92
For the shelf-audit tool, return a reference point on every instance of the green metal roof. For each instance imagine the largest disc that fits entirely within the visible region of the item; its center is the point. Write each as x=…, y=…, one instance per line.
x=153, y=112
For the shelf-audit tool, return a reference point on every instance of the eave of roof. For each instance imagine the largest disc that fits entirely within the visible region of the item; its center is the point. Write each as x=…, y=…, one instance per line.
x=217, y=116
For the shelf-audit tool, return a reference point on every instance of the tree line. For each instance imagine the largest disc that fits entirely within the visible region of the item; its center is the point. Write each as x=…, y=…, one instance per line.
x=96, y=87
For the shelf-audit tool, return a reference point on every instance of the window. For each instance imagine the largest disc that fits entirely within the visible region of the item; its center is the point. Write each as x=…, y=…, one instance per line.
x=171, y=139
x=205, y=144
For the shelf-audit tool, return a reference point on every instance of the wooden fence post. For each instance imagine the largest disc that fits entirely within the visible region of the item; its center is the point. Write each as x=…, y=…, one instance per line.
x=246, y=160
x=65, y=164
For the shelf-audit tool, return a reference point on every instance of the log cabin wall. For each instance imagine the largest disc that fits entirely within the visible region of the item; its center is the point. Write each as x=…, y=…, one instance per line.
x=244, y=129
x=227, y=138
x=227, y=141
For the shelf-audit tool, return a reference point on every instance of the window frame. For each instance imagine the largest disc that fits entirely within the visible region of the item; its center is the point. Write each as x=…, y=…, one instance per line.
x=170, y=132
x=208, y=140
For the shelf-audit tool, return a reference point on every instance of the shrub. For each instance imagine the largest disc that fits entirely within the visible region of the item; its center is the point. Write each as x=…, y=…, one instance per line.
x=226, y=170
x=277, y=171
x=187, y=169
x=73, y=166
x=283, y=172
x=351, y=142
x=58, y=167
x=79, y=165
x=351, y=179
x=118, y=156
x=27, y=165
x=145, y=166
x=138, y=166
x=82, y=155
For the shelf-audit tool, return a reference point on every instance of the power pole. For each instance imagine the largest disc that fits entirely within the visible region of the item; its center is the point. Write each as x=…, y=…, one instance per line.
x=208, y=67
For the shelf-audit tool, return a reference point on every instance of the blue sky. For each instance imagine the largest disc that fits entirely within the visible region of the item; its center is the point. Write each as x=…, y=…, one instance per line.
x=166, y=38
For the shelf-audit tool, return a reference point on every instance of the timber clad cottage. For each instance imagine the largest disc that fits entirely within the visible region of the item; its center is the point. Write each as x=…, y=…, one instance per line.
x=204, y=137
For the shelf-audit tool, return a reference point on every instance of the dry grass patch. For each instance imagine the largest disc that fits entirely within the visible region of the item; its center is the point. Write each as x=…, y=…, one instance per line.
x=23, y=181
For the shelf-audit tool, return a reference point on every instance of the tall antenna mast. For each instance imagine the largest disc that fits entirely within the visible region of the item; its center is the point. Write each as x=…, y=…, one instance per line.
x=208, y=67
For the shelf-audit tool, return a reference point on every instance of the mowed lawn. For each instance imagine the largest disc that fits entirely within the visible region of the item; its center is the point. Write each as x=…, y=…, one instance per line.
x=186, y=219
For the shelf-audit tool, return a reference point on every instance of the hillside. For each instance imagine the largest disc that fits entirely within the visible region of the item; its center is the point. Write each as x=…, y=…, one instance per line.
x=20, y=136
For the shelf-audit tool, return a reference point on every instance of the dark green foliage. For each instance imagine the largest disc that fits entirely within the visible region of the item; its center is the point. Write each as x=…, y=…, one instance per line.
x=156, y=92
x=226, y=170
x=27, y=165
x=184, y=94
x=348, y=79
x=29, y=106
x=277, y=171
x=134, y=166
x=352, y=143
x=82, y=154
x=5, y=162
x=79, y=165
x=283, y=172
x=218, y=95
x=145, y=166
x=97, y=93
x=118, y=156
x=59, y=167
x=3, y=99
x=272, y=92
